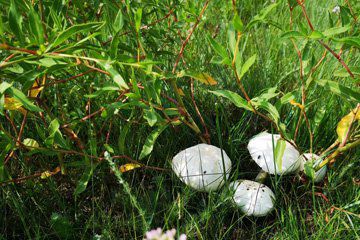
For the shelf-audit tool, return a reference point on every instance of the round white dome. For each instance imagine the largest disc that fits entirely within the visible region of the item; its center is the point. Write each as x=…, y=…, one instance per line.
x=319, y=174
x=261, y=148
x=253, y=198
x=202, y=167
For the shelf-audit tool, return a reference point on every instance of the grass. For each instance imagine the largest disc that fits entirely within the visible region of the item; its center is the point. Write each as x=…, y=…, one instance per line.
x=124, y=206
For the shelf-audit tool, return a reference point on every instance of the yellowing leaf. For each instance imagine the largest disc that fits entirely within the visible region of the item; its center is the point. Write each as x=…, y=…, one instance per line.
x=296, y=104
x=129, y=167
x=47, y=174
x=181, y=92
x=204, y=78
x=345, y=123
x=12, y=104
x=30, y=143
x=35, y=89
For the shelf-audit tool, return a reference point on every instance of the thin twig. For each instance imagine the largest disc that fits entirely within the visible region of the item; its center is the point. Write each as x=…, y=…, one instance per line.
x=206, y=135
x=337, y=56
x=189, y=36
x=303, y=93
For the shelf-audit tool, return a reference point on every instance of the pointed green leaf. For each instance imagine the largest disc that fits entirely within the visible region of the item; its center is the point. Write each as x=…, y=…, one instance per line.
x=15, y=21
x=119, y=21
x=220, y=50
x=292, y=34
x=341, y=90
x=150, y=141
x=85, y=178
x=316, y=35
x=36, y=27
x=261, y=16
x=4, y=86
x=351, y=41
x=238, y=24
x=279, y=153
x=69, y=32
x=118, y=79
x=234, y=98
x=309, y=169
x=138, y=16
x=336, y=30
x=270, y=109
x=247, y=65
x=151, y=116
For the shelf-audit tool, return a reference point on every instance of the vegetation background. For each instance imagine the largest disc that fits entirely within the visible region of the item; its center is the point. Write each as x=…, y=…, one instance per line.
x=142, y=80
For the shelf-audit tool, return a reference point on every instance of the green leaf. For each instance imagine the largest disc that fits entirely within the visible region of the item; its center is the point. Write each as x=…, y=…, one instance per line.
x=102, y=90
x=151, y=116
x=232, y=40
x=316, y=35
x=54, y=126
x=15, y=69
x=1, y=28
x=2, y=104
x=138, y=16
x=261, y=16
x=69, y=32
x=219, y=50
x=109, y=148
x=238, y=24
x=341, y=90
x=267, y=94
x=20, y=96
x=55, y=137
x=279, y=153
x=270, y=109
x=118, y=79
x=119, y=21
x=85, y=178
x=6, y=145
x=49, y=62
x=15, y=21
x=351, y=41
x=284, y=100
x=246, y=66
x=234, y=98
x=309, y=169
x=335, y=31
x=4, y=86
x=150, y=141
x=122, y=137
x=292, y=34
x=36, y=27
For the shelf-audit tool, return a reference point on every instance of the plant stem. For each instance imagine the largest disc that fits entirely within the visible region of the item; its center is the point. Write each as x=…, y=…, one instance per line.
x=337, y=152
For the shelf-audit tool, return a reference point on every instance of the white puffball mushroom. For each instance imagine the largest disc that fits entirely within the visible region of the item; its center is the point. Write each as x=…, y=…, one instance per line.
x=262, y=147
x=319, y=174
x=253, y=198
x=202, y=167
